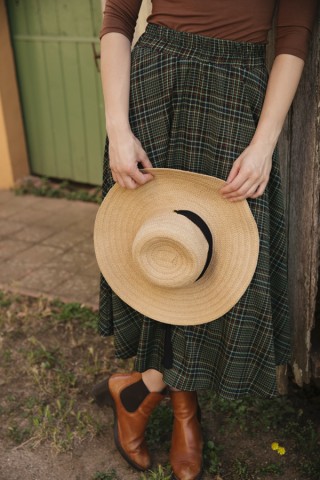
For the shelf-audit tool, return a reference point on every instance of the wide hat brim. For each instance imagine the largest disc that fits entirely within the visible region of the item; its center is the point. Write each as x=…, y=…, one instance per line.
x=236, y=246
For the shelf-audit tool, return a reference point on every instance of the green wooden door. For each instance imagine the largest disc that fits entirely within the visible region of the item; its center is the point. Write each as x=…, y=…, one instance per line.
x=55, y=44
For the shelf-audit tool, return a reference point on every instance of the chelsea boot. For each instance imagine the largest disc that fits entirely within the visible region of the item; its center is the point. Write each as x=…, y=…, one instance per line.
x=187, y=443
x=132, y=405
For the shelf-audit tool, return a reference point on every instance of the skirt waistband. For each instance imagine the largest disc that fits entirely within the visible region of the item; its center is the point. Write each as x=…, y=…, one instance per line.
x=200, y=47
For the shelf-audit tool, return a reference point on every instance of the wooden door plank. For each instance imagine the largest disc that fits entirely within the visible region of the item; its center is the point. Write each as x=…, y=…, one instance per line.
x=57, y=102
x=96, y=15
x=75, y=112
x=32, y=15
x=33, y=90
x=75, y=18
x=48, y=18
x=17, y=17
x=93, y=116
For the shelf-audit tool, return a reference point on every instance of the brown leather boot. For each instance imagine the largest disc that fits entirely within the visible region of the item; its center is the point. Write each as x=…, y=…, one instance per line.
x=187, y=443
x=132, y=405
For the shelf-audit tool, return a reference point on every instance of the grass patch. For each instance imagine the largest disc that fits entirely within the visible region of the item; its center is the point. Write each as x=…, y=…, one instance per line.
x=64, y=312
x=241, y=469
x=5, y=301
x=305, y=436
x=271, y=469
x=251, y=414
x=50, y=358
x=18, y=434
x=111, y=475
x=280, y=420
x=211, y=457
x=159, y=474
x=160, y=427
x=45, y=187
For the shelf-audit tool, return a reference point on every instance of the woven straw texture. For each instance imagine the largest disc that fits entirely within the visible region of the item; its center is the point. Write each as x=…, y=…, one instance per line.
x=146, y=218
x=194, y=105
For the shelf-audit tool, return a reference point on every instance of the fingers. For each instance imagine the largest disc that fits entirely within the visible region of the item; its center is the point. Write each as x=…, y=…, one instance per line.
x=249, y=174
x=240, y=184
x=246, y=191
x=244, y=181
x=131, y=179
x=260, y=190
x=118, y=179
x=243, y=191
x=125, y=181
x=145, y=162
x=141, y=178
x=233, y=172
x=125, y=159
x=245, y=185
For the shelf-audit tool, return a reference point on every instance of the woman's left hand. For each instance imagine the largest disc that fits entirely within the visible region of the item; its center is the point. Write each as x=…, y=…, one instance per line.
x=250, y=173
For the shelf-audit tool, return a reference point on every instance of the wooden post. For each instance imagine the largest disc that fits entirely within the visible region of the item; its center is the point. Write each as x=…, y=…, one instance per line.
x=299, y=148
x=303, y=209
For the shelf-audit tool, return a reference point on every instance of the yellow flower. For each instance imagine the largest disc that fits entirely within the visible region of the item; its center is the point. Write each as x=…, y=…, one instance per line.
x=275, y=446
x=281, y=450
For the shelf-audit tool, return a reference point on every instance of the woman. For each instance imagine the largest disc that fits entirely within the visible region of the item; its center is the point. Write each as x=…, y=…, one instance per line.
x=200, y=99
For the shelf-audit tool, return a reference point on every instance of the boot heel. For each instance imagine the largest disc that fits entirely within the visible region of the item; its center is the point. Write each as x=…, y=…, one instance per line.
x=101, y=394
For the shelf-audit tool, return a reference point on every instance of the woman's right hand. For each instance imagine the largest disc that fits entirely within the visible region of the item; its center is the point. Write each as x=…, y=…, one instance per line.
x=125, y=153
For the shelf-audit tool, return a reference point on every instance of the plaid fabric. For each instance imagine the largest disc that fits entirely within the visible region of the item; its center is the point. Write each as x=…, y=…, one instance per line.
x=195, y=103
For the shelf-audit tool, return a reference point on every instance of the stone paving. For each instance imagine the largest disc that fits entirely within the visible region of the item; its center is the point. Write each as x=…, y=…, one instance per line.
x=46, y=248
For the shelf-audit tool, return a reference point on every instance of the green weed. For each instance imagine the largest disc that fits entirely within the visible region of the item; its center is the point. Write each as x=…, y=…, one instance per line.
x=65, y=312
x=61, y=423
x=241, y=469
x=250, y=414
x=18, y=434
x=39, y=355
x=6, y=357
x=105, y=475
x=307, y=446
x=5, y=301
x=160, y=474
x=92, y=362
x=44, y=187
x=271, y=469
x=159, y=426
x=211, y=458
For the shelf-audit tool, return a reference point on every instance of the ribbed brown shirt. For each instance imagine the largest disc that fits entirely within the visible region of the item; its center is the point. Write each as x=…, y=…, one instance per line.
x=239, y=20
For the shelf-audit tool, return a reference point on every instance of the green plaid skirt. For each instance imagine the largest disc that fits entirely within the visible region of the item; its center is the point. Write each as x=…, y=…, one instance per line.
x=194, y=105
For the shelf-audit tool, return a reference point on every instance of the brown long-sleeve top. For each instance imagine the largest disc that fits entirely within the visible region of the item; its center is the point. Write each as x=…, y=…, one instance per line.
x=239, y=20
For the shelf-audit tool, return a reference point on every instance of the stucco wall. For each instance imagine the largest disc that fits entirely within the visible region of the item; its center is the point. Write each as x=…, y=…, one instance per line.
x=13, y=153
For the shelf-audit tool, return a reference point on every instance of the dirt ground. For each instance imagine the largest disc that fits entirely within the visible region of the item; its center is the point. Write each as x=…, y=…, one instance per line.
x=50, y=429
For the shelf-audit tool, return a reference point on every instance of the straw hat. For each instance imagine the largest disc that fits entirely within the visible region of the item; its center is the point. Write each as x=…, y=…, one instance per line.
x=174, y=249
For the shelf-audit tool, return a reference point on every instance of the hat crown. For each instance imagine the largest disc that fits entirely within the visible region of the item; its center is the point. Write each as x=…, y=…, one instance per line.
x=170, y=250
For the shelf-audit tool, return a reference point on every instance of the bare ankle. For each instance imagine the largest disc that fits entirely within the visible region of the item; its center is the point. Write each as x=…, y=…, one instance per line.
x=153, y=380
